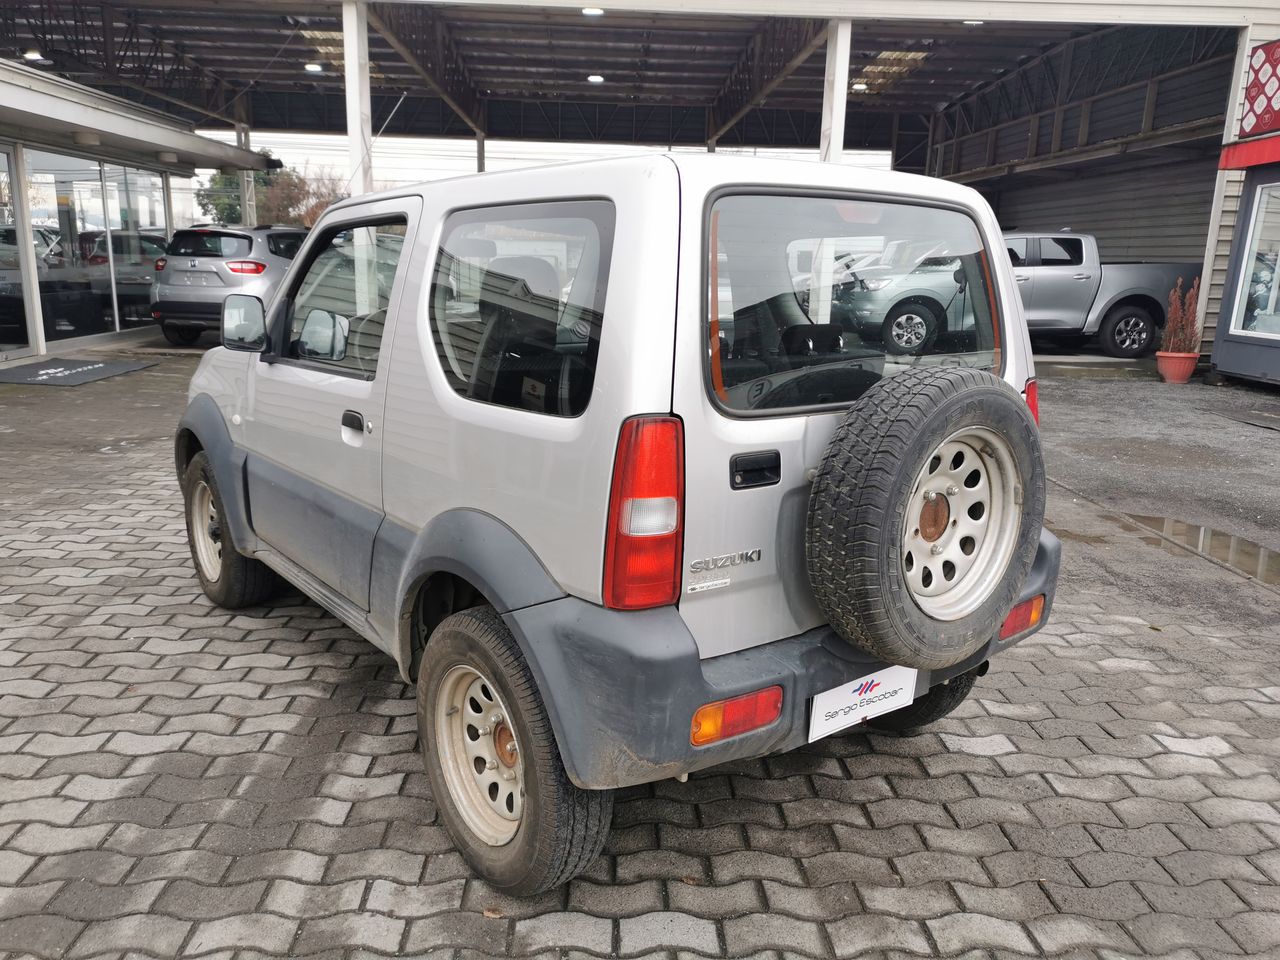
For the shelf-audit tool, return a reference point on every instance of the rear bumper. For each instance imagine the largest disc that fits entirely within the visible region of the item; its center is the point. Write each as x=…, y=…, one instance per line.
x=195, y=314
x=621, y=688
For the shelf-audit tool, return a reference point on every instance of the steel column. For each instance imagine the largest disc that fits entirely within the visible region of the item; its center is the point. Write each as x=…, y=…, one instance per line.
x=355, y=52
x=835, y=91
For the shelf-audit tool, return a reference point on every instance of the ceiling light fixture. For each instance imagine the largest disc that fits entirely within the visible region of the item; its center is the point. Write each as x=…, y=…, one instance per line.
x=592, y=12
x=313, y=67
x=859, y=87
x=595, y=78
x=33, y=54
x=973, y=23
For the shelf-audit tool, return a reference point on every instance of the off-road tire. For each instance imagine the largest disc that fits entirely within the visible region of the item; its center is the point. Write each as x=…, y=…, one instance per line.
x=934, y=705
x=858, y=506
x=933, y=324
x=180, y=336
x=242, y=581
x=563, y=827
x=1112, y=337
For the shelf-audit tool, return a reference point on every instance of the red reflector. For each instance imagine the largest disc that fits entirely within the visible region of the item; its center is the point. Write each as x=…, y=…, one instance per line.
x=245, y=266
x=160, y=264
x=1022, y=617
x=728, y=718
x=1032, y=394
x=155, y=314
x=644, y=543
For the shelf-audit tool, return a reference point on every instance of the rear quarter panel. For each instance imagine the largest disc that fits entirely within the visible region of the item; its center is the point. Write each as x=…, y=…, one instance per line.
x=545, y=477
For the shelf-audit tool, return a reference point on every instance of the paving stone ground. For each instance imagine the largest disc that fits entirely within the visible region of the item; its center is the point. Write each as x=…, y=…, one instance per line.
x=180, y=780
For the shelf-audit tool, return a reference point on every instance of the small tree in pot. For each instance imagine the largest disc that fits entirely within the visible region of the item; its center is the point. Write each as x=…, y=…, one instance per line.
x=1180, y=343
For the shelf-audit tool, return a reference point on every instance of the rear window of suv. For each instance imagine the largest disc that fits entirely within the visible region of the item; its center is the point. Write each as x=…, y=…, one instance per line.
x=209, y=243
x=811, y=300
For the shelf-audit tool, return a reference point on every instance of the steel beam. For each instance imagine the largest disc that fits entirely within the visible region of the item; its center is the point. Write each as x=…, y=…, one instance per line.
x=772, y=54
x=421, y=37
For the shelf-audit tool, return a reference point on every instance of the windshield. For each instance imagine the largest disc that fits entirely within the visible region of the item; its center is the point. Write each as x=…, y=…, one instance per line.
x=813, y=299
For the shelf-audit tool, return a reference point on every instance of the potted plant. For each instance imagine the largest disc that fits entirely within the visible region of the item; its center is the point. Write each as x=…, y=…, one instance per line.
x=1180, y=344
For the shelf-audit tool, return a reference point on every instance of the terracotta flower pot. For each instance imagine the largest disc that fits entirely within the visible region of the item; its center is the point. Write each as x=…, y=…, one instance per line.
x=1176, y=367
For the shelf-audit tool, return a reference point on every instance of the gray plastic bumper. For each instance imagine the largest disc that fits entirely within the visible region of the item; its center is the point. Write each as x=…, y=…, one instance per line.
x=621, y=688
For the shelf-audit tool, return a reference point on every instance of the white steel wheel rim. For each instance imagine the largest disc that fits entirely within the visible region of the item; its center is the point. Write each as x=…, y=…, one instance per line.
x=206, y=531
x=909, y=330
x=482, y=760
x=952, y=567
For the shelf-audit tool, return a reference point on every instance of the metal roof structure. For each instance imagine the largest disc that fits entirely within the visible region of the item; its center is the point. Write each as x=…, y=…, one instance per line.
x=518, y=72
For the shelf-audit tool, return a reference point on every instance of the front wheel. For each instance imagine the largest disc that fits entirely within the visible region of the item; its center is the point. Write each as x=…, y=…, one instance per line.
x=910, y=328
x=493, y=764
x=1127, y=332
x=228, y=577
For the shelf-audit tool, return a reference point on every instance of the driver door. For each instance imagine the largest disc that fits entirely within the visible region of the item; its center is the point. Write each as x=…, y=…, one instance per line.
x=314, y=409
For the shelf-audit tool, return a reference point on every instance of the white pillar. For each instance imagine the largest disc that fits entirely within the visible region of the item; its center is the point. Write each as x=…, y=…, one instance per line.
x=28, y=267
x=248, y=186
x=835, y=90
x=355, y=55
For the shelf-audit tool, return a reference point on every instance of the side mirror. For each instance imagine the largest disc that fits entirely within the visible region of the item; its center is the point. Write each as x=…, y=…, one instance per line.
x=244, y=324
x=323, y=336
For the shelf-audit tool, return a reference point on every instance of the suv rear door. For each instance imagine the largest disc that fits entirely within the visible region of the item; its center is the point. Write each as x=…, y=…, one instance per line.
x=786, y=373
x=313, y=427
x=198, y=258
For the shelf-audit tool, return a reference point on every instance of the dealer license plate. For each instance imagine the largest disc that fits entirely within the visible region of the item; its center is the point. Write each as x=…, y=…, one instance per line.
x=881, y=692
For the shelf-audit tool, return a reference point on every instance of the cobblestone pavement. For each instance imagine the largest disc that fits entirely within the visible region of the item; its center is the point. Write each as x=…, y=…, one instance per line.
x=179, y=780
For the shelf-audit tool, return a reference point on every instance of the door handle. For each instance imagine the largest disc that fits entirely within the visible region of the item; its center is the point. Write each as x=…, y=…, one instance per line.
x=755, y=469
x=1021, y=279
x=353, y=420
x=1083, y=276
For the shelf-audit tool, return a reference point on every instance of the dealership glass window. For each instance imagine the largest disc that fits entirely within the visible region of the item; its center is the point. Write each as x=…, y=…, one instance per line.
x=64, y=194
x=13, y=319
x=1257, y=308
x=135, y=210
x=182, y=202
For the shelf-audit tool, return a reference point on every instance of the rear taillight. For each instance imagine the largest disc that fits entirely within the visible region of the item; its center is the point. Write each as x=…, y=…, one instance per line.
x=728, y=718
x=1022, y=617
x=1032, y=394
x=97, y=260
x=161, y=264
x=246, y=266
x=645, y=539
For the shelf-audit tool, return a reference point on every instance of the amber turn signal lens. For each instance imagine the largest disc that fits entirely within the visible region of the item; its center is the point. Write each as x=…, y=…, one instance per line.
x=1023, y=617
x=728, y=718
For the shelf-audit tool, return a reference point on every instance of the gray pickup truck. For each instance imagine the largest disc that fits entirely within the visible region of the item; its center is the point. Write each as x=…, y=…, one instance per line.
x=1068, y=292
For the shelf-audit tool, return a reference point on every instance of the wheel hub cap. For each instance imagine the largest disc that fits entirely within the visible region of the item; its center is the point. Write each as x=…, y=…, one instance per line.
x=504, y=742
x=934, y=516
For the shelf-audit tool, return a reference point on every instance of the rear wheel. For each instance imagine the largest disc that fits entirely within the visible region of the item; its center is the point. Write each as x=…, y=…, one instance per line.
x=1127, y=331
x=934, y=705
x=180, y=336
x=493, y=764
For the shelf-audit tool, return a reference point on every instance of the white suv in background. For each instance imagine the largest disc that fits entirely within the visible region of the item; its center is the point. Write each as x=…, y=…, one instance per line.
x=570, y=447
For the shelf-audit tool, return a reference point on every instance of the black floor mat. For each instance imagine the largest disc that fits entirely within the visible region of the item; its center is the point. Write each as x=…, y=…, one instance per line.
x=59, y=372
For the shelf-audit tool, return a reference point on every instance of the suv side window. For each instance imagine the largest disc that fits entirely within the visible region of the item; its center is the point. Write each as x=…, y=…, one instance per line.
x=1061, y=252
x=339, y=307
x=517, y=302
x=285, y=245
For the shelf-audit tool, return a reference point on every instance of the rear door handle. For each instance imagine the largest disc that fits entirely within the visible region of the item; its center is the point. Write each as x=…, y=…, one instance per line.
x=762, y=469
x=1083, y=276
x=1021, y=279
x=354, y=420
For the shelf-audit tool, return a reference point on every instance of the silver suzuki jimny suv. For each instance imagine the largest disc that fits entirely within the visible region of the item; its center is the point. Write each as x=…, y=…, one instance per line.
x=624, y=503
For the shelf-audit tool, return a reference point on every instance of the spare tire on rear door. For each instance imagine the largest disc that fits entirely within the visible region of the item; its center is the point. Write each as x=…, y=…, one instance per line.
x=925, y=515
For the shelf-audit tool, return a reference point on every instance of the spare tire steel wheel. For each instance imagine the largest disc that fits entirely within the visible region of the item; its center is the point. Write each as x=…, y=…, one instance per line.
x=925, y=515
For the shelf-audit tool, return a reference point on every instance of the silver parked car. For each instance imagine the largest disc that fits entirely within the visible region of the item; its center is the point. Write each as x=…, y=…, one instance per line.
x=202, y=265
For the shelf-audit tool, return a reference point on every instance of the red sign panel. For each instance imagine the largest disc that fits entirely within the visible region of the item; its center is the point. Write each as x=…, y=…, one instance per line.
x=1262, y=92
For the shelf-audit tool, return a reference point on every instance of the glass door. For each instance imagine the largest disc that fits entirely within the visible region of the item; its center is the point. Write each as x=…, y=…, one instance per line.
x=1257, y=309
x=15, y=333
